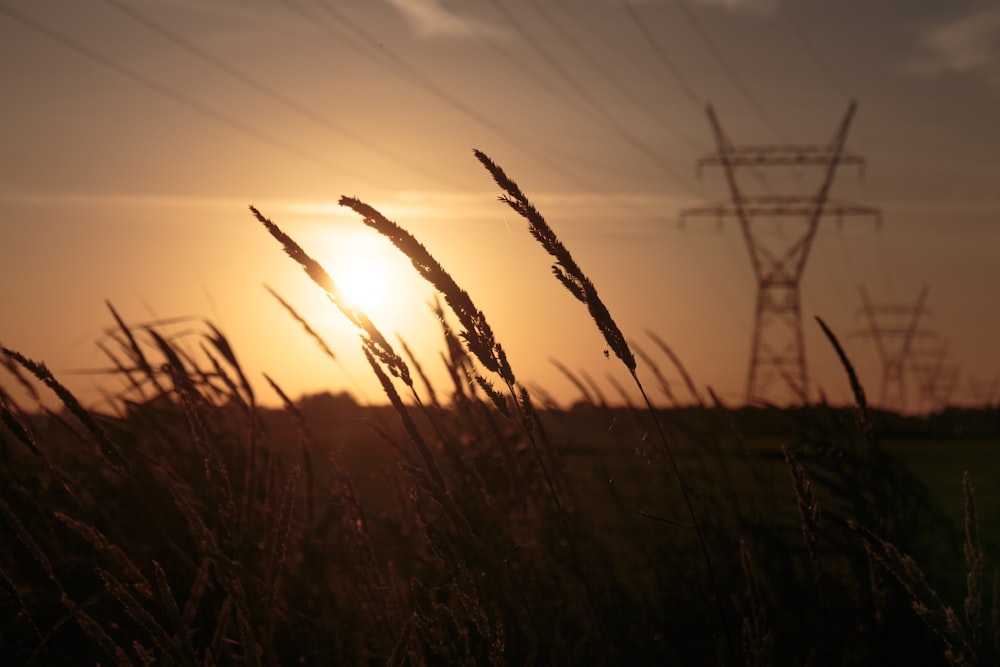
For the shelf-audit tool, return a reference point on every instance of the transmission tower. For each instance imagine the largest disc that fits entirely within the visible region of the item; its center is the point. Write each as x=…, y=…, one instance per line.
x=894, y=329
x=936, y=379
x=778, y=349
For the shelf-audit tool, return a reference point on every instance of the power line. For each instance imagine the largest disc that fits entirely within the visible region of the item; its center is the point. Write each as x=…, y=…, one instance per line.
x=820, y=63
x=821, y=66
x=602, y=35
x=264, y=89
x=531, y=73
x=679, y=78
x=176, y=96
x=655, y=114
x=612, y=122
x=413, y=76
x=811, y=51
x=657, y=48
x=728, y=69
x=546, y=87
x=661, y=53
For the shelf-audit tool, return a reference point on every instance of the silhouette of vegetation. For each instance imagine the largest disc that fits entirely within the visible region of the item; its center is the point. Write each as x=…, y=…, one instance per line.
x=465, y=524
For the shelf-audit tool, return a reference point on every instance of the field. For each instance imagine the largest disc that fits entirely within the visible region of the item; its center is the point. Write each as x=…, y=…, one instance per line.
x=472, y=524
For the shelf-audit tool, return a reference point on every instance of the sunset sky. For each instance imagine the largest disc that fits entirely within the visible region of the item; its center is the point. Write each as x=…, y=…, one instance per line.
x=136, y=134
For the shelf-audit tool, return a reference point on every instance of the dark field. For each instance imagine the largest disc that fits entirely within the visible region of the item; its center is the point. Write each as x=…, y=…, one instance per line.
x=339, y=553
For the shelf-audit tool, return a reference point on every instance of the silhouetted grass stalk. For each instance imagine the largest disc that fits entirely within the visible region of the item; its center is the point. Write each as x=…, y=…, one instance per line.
x=675, y=360
x=40, y=371
x=938, y=616
x=479, y=339
x=974, y=560
x=864, y=421
x=316, y=337
x=580, y=286
x=372, y=338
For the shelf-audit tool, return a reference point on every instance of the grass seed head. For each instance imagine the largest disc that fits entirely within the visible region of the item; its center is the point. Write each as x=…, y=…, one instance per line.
x=565, y=269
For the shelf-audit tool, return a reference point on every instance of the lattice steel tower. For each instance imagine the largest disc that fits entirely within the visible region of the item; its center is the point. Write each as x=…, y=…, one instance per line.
x=894, y=328
x=778, y=349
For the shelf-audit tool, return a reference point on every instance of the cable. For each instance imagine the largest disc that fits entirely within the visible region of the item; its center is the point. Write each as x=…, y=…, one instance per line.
x=264, y=89
x=178, y=97
x=546, y=87
x=653, y=114
x=416, y=77
x=661, y=53
x=529, y=72
x=698, y=102
x=813, y=54
x=729, y=71
x=401, y=67
x=587, y=97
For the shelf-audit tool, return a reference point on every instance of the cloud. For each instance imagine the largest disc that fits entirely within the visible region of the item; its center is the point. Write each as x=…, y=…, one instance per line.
x=760, y=8
x=965, y=44
x=754, y=7
x=431, y=18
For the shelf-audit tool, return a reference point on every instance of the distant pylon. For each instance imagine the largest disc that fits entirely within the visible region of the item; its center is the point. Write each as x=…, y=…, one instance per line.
x=936, y=380
x=894, y=328
x=778, y=349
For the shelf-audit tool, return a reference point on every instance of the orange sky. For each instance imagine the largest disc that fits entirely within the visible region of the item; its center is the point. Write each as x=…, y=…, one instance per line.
x=136, y=134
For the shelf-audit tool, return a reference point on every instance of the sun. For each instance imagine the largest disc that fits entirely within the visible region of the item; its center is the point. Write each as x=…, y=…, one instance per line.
x=363, y=281
x=374, y=277
x=370, y=274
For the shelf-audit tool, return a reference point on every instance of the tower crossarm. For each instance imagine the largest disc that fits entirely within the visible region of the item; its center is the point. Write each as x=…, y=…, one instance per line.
x=777, y=206
x=896, y=332
x=881, y=330
x=778, y=260
x=895, y=328
x=807, y=155
x=929, y=360
x=788, y=265
x=892, y=310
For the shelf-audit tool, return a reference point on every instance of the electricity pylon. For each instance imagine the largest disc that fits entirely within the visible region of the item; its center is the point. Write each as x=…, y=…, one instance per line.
x=936, y=380
x=778, y=349
x=894, y=328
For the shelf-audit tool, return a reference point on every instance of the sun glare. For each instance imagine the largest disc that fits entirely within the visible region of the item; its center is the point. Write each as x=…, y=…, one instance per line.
x=364, y=281
x=371, y=274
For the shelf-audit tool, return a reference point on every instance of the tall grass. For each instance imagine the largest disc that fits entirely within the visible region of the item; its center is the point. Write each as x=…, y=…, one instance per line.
x=569, y=273
x=189, y=525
